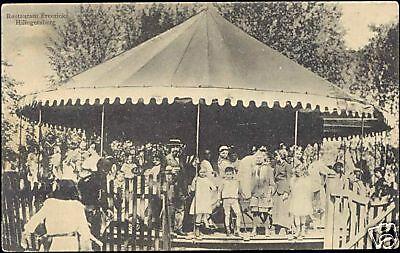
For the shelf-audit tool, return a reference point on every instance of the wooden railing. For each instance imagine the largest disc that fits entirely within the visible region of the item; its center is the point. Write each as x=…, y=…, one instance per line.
x=362, y=240
x=132, y=228
x=349, y=215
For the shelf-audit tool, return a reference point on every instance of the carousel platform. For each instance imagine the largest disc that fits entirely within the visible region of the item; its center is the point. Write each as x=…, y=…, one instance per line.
x=219, y=241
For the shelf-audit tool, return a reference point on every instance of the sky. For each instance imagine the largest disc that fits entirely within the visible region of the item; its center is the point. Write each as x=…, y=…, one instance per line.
x=24, y=46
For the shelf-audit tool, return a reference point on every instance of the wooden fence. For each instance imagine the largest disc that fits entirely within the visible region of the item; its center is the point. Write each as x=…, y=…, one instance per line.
x=349, y=215
x=139, y=220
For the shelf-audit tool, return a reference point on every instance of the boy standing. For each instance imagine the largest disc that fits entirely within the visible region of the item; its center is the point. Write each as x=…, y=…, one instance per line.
x=230, y=190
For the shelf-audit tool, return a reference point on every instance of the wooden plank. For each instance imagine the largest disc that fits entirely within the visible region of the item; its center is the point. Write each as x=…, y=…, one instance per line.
x=338, y=216
x=134, y=214
x=330, y=213
x=11, y=221
x=23, y=209
x=141, y=223
x=361, y=225
x=344, y=221
x=150, y=241
x=31, y=212
x=6, y=239
x=157, y=220
x=119, y=218
x=168, y=223
x=353, y=219
x=370, y=218
x=18, y=220
x=126, y=214
x=112, y=232
x=373, y=223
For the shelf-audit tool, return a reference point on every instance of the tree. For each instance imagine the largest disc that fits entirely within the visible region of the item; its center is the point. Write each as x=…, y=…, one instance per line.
x=98, y=33
x=84, y=41
x=378, y=61
x=9, y=120
x=307, y=32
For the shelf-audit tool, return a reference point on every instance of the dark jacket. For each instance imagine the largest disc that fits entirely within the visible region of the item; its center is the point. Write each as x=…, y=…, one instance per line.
x=93, y=189
x=282, y=174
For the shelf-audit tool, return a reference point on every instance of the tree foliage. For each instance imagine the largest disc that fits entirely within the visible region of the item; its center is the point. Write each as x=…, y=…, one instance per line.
x=9, y=120
x=98, y=33
x=307, y=32
x=378, y=61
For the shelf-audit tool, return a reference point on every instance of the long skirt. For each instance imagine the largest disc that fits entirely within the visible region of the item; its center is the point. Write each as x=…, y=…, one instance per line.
x=280, y=212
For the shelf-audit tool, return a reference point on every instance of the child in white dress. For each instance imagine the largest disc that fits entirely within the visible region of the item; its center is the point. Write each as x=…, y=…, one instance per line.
x=301, y=196
x=202, y=203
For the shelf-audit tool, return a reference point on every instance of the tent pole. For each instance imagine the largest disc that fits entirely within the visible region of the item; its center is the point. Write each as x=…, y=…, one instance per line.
x=102, y=132
x=197, y=165
x=295, y=128
x=198, y=130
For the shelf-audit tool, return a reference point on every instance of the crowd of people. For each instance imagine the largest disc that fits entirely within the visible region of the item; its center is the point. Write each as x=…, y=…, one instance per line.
x=280, y=191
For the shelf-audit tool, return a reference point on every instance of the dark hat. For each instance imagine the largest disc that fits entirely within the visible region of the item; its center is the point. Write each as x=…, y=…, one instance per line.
x=104, y=164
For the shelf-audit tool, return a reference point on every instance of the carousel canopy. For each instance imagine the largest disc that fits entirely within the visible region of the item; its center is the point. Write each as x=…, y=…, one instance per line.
x=206, y=57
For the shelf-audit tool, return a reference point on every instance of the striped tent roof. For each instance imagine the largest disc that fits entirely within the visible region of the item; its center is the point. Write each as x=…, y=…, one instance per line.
x=205, y=57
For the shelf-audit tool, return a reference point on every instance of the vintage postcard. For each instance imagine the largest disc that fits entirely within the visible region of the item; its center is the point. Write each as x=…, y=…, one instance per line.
x=200, y=126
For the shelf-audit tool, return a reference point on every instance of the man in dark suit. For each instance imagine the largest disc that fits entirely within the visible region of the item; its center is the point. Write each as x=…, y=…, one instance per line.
x=179, y=174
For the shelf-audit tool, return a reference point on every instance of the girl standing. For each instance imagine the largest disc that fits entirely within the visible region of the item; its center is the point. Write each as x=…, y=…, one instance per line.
x=202, y=203
x=301, y=198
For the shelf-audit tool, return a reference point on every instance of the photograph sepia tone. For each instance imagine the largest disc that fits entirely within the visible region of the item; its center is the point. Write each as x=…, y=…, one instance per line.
x=200, y=126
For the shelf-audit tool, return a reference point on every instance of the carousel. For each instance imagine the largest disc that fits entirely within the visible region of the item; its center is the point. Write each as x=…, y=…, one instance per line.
x=207, y=83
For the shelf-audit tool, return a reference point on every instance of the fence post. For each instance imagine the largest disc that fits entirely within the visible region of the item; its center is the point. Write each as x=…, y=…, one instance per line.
x=165, y=218
x=329, y=236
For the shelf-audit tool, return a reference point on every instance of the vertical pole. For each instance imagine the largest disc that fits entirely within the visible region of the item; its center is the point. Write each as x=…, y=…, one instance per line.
x=295, y=128
x=197, y=165
x=329, y=217
x=102, y=132
x=198, y=130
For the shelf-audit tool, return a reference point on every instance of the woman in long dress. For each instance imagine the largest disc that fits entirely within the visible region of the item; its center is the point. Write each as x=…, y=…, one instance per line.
x=65, y=220
x=263, y=187
x=282, y=174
